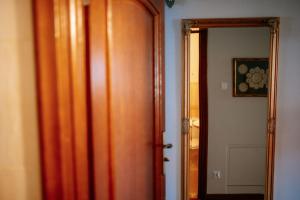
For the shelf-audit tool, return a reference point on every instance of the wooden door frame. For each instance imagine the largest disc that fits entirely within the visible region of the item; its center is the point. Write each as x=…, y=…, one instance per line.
x=189, y=25
x=203, y=113
x=62, y=99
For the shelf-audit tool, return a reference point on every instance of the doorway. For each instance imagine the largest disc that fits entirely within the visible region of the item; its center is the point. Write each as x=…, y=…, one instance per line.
x=226, y=87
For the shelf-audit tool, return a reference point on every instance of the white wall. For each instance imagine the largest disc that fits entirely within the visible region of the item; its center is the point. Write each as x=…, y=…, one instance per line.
x=287, y=176
x=238, y=122
x=19, y=163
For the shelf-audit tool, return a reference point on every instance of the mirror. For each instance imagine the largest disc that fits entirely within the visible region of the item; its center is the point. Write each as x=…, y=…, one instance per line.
x=229, y=104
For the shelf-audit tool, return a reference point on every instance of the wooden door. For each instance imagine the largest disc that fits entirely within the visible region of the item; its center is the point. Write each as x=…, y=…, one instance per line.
x=126, y=40
x=101, y=98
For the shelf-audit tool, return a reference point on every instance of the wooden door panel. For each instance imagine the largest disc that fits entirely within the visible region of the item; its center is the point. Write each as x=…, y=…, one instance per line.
x=132, y=99
x=127, y=98
x=155, y=3
x=119, y=99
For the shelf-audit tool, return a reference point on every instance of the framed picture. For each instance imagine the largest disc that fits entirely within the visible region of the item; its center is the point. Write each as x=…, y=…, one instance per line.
x=250, y=77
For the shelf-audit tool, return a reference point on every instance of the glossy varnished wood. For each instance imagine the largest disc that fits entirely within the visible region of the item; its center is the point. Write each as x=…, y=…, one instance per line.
x=127, y=98
x=120, y=98
x=99, y=100
x=190, y=25
x=79, y=101
x=226, y=22
x=60, y=59
x=47, y=91
x=272, y=102
x=132, y=100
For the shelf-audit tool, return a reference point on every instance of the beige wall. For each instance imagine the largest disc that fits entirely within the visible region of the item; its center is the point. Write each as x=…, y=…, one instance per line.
x=19, y=163
x=236, y=125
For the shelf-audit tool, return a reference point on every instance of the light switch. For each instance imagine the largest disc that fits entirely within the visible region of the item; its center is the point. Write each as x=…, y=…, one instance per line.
x=217, y=174
x=224, y=85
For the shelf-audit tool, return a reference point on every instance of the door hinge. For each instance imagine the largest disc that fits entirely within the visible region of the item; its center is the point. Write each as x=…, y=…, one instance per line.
x=185, y=125
x=271, y=126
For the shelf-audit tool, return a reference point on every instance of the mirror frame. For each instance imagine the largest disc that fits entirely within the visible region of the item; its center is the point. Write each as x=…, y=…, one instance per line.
x=191, y=25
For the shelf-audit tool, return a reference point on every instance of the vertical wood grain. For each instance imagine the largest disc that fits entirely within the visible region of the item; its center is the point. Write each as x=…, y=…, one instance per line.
x=99, y=99
x=127, y=98
x=79, y=99
x=60, y=59
x=47, y=92
x=272, y=100
x=74, y=130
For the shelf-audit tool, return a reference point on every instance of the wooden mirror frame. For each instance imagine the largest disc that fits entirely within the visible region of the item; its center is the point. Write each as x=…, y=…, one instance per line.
x=190, y=25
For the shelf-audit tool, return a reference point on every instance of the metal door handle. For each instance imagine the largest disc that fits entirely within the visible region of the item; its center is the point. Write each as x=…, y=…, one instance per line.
x=166, y=159
x=167, y=146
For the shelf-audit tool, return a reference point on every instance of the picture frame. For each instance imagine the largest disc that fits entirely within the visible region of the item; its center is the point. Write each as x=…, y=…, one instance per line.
x=250, y=77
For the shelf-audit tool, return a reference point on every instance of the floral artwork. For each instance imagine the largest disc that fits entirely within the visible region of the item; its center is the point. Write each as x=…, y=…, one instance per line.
x=250, y=77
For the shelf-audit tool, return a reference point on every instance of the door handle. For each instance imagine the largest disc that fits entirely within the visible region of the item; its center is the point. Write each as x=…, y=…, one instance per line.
x=166, y=159
x=167, y=146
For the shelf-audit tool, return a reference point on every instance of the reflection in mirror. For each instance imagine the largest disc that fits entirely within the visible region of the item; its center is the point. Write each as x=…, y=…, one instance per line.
x=228, y=101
